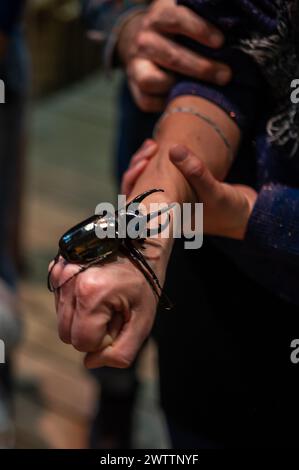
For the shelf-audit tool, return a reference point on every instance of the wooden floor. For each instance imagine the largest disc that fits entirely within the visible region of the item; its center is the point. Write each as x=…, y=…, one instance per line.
x=69, y=172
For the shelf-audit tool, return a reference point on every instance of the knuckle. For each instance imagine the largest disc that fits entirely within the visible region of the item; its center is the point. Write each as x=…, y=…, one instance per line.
x=172, y=18
x=220, y=198
x=144, y=83
x=195, y=171
x=64, y=336
x=64, y=328
x=149, y=20
x=87, y=285
x=173, y=59
x=83, y=287
x=206, y=68
x=67, y=272
x=81, y=338
x=123, y=361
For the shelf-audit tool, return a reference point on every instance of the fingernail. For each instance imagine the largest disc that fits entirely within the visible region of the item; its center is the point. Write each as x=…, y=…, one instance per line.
x=148, y=143
x=149, y=149
x=179, y=153
x=223, y=76
x=216, y=39
x=139, y=165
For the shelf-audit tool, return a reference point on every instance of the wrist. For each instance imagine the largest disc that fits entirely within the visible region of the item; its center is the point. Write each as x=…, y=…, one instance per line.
x=250, y=197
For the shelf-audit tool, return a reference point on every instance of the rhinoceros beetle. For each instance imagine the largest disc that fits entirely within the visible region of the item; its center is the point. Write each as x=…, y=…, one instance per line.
x=80, y=245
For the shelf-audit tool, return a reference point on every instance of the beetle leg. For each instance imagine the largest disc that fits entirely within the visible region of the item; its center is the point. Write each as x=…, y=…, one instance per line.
x=141, y=242
x=82, y=269
x=127, y=250
x=153, y=279
x=145, y=219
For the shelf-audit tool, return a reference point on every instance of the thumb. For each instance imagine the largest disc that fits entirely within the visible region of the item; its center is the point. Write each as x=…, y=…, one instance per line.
x=195, y=171
x=122, y=352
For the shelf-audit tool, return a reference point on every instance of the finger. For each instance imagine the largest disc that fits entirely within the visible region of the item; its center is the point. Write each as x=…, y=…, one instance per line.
x=171, y=56
x=116, y=325
x=89, y=331
x=149, y=78
x=148, y=150
x=183, y=21
x=66, y=302
x=131, y=176
x=197, y=174
x=124, y=350
x=114, y=329
x=147, y=103
x=55, y=269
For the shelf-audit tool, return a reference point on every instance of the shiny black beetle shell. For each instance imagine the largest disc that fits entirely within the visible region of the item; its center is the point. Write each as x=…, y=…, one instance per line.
x=81, y=244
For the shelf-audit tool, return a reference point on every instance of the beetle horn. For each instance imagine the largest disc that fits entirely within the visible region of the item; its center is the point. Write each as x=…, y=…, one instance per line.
x=156, y=231
x=141, y=197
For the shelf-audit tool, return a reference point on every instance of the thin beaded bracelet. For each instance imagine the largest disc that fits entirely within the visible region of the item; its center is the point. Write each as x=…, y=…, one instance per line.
x=201, y=116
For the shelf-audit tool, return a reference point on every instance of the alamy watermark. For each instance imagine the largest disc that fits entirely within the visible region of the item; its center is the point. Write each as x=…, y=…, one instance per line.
x=2, y=352
x=295, y=351
x=2, y=92
x=156, y=220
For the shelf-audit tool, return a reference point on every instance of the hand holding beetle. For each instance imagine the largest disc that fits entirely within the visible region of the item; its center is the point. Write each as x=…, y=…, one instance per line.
x=105, y=301
x=112, y=301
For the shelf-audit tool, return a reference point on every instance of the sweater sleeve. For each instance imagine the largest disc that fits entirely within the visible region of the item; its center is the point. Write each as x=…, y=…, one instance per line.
x=241, y=19
x=274, y=223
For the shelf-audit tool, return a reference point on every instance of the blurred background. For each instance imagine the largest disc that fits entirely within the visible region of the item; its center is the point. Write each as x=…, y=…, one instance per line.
x=66, y=169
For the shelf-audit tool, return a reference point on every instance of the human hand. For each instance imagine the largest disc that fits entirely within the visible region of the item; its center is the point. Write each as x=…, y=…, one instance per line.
x=151, y=56
x=227, y=207
x=108, y=310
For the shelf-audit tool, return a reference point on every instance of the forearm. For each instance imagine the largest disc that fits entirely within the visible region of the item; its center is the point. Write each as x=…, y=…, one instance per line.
x=200, y=137
x=189, y=130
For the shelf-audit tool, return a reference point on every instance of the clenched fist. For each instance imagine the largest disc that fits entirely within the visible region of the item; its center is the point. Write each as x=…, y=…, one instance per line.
x=106, y=311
